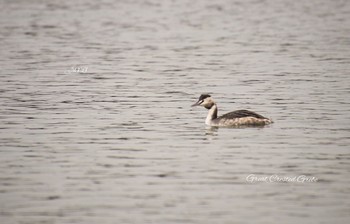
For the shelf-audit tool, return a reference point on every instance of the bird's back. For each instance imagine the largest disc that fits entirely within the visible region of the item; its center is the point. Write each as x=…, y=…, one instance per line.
x=241, y=117
x=241, y=114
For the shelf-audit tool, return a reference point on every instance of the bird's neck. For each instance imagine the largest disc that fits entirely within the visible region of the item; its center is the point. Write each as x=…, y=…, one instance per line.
x=212, y=114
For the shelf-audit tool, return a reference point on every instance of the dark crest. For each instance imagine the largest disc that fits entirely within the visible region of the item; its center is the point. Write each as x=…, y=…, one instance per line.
x=203, y=96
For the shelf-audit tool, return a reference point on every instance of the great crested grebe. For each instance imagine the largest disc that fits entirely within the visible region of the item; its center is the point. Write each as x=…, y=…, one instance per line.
x=234, y=118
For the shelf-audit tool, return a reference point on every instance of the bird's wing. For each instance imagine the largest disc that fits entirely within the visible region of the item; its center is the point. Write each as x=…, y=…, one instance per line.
x=240, y=114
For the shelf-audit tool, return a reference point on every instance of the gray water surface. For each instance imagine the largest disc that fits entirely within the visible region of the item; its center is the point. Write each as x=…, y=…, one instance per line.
x=117, y=141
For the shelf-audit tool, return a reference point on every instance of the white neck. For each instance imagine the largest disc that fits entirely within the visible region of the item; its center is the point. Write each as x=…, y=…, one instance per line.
x=212, y=114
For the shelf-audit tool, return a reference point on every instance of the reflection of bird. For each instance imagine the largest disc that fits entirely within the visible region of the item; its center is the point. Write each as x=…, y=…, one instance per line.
x=234, y=118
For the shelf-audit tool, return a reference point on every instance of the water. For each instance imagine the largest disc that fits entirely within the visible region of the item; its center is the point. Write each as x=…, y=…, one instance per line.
x=114, y=140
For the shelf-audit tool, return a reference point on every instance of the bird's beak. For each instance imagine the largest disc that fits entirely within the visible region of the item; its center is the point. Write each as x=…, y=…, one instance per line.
x=198, y=103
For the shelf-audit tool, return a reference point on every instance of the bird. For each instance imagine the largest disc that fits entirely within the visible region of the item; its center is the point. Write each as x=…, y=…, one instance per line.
x=232, y=119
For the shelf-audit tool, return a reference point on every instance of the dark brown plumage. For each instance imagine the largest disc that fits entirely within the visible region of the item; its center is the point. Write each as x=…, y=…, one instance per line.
x=241, y=113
